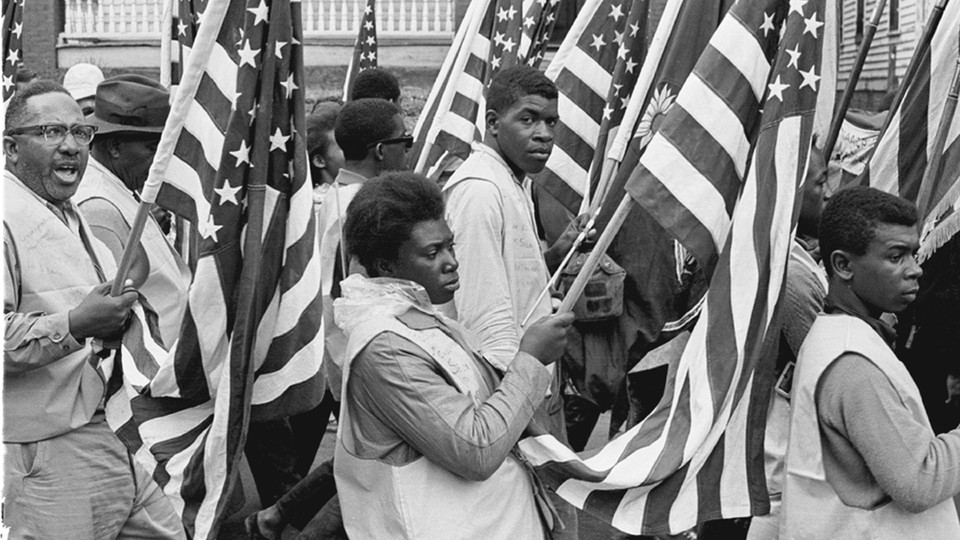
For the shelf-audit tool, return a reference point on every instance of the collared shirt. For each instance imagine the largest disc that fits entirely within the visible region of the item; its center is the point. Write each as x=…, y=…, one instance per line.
x=34, y=339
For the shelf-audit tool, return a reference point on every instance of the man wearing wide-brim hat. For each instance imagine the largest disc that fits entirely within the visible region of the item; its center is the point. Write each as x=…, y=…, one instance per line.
x=130, y=113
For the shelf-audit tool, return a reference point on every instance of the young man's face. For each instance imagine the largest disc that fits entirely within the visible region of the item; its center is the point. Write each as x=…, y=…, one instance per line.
x=428, y=258
x=394, y=154
x=812, y=201
x=524, y=133
x=886, y=277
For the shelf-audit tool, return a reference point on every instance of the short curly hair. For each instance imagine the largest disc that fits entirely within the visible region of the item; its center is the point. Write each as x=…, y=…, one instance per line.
x=513, y=83
x=384, y=212
x=375, y=83
x=851, y=216
x=363, y=122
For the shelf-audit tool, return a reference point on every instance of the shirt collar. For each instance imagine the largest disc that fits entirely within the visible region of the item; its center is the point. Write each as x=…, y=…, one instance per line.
x=484, y=147
x=886, y=332
x=67, y=213
x=346, y=177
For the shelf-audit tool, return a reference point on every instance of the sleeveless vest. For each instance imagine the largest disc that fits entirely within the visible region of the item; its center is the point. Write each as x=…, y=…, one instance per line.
x=56, y=274
x=166, y=284
x=420, y=499
x=811, y=507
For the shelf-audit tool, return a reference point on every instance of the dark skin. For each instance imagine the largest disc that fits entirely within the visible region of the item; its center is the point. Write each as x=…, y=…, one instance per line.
x=523, y=135
x=884, y=279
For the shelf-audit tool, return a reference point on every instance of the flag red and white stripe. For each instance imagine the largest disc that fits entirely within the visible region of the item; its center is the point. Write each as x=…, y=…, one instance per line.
x=251, y=342
x=900, y=159
x=691, y=460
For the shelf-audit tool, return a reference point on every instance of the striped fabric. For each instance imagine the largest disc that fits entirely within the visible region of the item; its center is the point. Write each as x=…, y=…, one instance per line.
x=493, y=35
x=694, y=459
x=901, y=156
x=251, y=342
x=364, y=50
x=595, y=70
x=12, y=43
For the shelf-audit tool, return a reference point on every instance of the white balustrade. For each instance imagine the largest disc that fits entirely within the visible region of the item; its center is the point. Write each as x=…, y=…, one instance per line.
x=141, y=19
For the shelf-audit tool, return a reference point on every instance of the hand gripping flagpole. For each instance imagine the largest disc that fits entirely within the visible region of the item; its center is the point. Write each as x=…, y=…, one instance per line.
x=837, y=123
x=932, y=176
x=210, y=23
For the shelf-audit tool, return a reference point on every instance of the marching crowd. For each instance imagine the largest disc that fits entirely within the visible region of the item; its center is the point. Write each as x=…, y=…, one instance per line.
x=430, y=370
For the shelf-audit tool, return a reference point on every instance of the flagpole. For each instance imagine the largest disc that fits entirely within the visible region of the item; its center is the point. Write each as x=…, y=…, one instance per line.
x=919, y=51
x=563, y=264
x=841, y=112
x=932, y=176
x=166, y=44
x=210, y=24
x=593, y=260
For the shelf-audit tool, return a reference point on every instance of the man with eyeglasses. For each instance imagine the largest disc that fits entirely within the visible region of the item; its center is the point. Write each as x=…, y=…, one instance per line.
x=66, y=474
x=130, y=113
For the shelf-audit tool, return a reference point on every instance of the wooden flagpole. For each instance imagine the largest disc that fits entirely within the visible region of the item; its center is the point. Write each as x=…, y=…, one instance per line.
x=210, y=24
x=932, y=176
x=841, y=111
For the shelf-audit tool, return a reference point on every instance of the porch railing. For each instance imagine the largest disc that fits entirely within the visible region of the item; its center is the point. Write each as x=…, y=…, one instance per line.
x=140, y=20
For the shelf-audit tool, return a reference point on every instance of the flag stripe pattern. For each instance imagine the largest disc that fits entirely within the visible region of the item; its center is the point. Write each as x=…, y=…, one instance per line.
x=595, y=70
x=493, y=35
x=12, y=45
x=690, y=460
x=364, y=50
x=900, y=159
x=250, y=346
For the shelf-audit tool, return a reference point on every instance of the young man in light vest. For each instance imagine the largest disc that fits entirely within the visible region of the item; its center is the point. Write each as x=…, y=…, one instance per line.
x=490, y=209
x=428, y=428
x=65, y=472
x=862, y=460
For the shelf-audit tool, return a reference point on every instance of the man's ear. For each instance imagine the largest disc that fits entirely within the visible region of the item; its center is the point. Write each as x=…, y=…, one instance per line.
x=383, y=267
x=317, y=161
x=493, y=122
x=377, y=152
x=113, y=147
x=841, y=262
x=11, y=149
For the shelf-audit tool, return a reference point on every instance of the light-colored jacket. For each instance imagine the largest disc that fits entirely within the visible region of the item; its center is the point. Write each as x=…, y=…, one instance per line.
x=812, y=508
x=49, y=394
x=421, y=499
x=502, y=269
x=110, y=209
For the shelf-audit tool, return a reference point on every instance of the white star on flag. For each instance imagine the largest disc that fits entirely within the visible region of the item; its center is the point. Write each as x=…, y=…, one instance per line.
x=767, y=23
x=794, y=56
x=242, y=154
x=810, y=78
x=227, y=193
x=776, y=89
x=811, y=25
x=598, y=41
x=616, y=12
x=278, y=141
x=289, y=85
x=260, y=13
x=248, y=55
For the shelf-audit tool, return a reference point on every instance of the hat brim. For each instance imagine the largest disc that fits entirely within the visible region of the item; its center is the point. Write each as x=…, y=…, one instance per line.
x=104, y=127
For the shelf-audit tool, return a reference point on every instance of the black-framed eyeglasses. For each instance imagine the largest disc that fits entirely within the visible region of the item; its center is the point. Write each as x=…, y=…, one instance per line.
x=406, y=140
x=54, y=134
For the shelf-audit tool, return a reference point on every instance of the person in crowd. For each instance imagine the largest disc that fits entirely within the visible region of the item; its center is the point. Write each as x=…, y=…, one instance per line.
x=66, y=474
x=129, y=115
x=25, y=77
x=429, y=428
x=490, y=211
x=325, y=154
x=376, y=83
x=371, y=134
x=804, y=291
x=862, y=460
x=81, y=81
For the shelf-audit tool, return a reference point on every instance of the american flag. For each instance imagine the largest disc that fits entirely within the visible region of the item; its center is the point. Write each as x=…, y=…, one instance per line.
x=595, y=70
x=364, y=50
x=251, y=342
x=723, y=172
x=12, y=45
x=493, y=35
x=904, y=150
